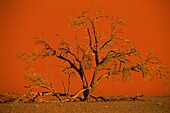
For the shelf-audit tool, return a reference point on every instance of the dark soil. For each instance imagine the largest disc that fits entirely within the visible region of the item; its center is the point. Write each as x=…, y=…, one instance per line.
x=145, y=105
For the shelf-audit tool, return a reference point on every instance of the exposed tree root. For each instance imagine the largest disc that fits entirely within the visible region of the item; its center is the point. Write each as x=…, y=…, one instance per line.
x=36, y=97
x=115, y=98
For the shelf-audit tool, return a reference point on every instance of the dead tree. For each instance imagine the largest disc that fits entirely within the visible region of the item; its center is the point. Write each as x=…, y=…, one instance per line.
x=104, y=55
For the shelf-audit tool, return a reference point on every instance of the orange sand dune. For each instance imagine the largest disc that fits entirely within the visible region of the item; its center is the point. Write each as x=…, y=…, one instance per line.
x=21, y=20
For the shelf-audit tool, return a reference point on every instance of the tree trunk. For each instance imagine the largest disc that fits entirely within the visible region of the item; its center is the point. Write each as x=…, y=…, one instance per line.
x=86, y=94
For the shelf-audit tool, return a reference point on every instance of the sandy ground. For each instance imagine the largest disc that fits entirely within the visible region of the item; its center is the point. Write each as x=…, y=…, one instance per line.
x=146, y=105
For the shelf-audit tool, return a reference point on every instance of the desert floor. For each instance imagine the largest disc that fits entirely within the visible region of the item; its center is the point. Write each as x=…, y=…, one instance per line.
x=145, y=105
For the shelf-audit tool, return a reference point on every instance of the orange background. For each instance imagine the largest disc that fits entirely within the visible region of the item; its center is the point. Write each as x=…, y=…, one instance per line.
x=21, y=20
